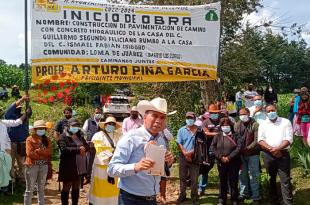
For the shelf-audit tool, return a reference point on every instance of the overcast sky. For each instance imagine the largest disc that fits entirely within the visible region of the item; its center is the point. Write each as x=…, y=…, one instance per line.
x=282, y=12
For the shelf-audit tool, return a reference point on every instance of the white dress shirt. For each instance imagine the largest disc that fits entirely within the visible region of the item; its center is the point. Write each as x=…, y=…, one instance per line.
x=275, y=133
x=5, y=142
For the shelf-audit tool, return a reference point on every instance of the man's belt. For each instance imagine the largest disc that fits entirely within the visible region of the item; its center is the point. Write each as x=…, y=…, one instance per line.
x=142, y=198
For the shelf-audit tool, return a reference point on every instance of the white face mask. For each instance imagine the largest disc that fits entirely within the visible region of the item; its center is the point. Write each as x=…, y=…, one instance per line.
x=244, y=118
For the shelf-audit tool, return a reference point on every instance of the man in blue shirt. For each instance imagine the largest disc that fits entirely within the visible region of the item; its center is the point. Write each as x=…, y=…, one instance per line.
x=18, y=137
x=185, y=140
x=128, y=161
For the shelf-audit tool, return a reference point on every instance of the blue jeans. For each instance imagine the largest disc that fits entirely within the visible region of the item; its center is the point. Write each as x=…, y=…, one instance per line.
x=128, y=199
x=203, y=182
x=249, y=175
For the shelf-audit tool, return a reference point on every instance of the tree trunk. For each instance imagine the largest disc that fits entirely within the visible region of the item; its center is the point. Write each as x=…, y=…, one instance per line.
x=209, y=92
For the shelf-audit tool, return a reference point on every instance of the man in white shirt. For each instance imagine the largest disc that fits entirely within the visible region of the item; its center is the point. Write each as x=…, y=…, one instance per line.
x=249, y=95
x=257, y=111
x=275, y=136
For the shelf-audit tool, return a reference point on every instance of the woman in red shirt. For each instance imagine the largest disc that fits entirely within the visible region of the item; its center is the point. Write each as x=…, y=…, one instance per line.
x=304, y=113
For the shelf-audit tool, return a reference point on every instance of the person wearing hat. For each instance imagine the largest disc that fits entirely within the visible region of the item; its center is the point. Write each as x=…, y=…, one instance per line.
x=73, y=163
x=38, y=152
x=128, y=161
x=103, y=189
x=185, y=141
x=211, y=128
x=303, y=114
x=15, y=92
x=132, y=122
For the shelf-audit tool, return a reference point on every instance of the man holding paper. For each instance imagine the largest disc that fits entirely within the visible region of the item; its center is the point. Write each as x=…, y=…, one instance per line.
x=137, y=185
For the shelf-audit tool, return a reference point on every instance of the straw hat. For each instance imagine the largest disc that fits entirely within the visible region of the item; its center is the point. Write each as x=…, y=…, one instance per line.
x=110, y=119
x=134, y=108
x=213, y=108
x=157, y=105
x=39, y=124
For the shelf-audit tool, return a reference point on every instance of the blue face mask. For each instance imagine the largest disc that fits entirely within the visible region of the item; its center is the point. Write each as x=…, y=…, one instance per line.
x=226, y=129
x=73, y=129
x=190, y=122
x=214, y=116
x=110, y=128
x=258, y=103
x=98, y=116
x=272, y=115
x=40, y=132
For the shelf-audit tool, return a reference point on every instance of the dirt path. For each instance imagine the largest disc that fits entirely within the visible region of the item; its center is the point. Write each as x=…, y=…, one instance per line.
x=52, y=194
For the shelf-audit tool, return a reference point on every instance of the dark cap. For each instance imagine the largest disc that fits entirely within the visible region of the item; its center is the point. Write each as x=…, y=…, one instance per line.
x=190, y=114
x=73, y=121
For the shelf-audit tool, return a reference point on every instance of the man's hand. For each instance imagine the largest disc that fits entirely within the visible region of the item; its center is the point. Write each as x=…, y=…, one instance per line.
x=276, y=152
x=225, y=159
x=144, y=164
x=82, y=150
x=169, y=158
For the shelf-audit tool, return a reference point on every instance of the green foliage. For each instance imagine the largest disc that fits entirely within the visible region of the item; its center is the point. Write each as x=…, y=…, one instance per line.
x=174, y=149
x=283, y=105
x=11, y=75
x=301, y=153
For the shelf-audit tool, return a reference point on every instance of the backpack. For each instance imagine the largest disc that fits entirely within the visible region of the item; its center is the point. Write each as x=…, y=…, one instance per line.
x=200, y=148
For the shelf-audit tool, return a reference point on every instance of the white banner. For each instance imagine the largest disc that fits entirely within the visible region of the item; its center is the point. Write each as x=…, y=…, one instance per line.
x=97, y=42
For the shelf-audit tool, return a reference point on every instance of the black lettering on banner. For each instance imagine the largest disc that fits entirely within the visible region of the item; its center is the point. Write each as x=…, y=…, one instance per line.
x=38, y=70
x=174, y=20
x=187, y=71
x=178, y=71
x=75, y=69
x=114, y=69
x=135, y=69
x=159, y=20
x=49, y=70
x=170, y=70
x=96, y=67
x=145, y=19
x=159, y=71
x=86, y=69
x=95, y=16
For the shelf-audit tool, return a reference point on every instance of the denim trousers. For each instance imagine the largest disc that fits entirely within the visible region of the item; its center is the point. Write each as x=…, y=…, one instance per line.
x=249, y=177
x=36, y=174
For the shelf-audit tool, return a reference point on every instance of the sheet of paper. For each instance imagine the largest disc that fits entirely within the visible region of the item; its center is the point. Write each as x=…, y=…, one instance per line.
x=157, y=154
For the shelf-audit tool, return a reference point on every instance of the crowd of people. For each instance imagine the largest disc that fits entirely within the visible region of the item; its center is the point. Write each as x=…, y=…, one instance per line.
x=110, y=156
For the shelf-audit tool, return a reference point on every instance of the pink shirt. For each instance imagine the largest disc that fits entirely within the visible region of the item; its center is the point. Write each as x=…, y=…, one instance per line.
x=130, y=124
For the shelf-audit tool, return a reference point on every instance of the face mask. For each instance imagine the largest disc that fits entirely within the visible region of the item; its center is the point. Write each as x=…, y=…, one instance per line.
x=258, y=103
x=214, y=116
x=73, y=129
x=110, y=128
x=98, y=116
x=190, y=122
x=244, y=118
x=226, y=129
x=270, y=89
x=272, y=115
x=40, y=132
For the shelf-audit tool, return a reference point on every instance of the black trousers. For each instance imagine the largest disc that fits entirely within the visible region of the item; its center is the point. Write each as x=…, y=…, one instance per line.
x=280, y=166
x=228, y=172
